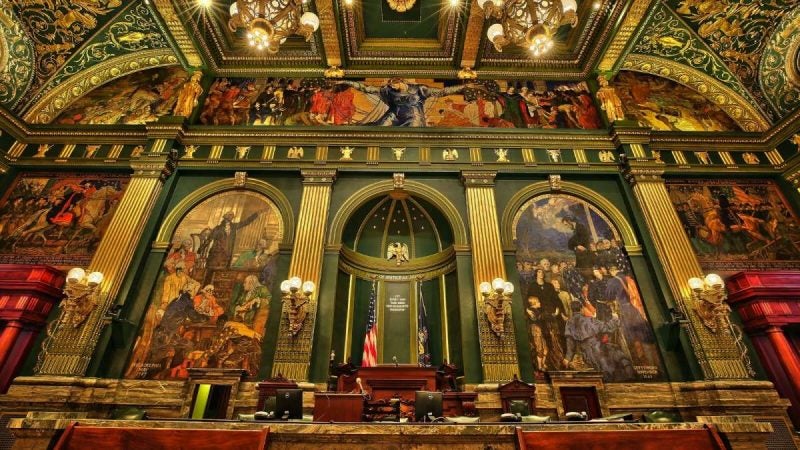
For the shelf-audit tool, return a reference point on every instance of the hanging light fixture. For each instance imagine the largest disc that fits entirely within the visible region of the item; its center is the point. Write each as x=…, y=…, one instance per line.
x=267, y=23
x=528, y=23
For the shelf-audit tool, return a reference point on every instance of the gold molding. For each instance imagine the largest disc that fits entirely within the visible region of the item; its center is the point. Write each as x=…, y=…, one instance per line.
x=567, y=187
x=424, y=268
x=384, y=187
x=178, y=32
x=228, y=184
x=48, y=108
x=633, y=18
x=472, y=35
x=740, y=110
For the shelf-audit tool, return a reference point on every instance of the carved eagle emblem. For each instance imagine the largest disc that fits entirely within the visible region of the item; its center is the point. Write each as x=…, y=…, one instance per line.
x=398, y=251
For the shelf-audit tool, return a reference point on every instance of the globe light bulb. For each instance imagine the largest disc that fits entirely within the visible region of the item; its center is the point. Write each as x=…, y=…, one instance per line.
x=485, y=288
x=696, y=284
x=94, y=278
x=508, y=288
x=285, y=286
x=308, y=287
x=714, y=280
x=75, y=275
x=498, y=284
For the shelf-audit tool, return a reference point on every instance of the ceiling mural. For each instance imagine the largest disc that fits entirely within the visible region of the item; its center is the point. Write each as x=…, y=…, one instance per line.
x=133, y=29
x=59, y=27
x=665, y=105
x=779, y=75
x=667, y=36
x=739, y=55
x=16, y=47
x=736, y=30
x=400, y=102
x=134, y=99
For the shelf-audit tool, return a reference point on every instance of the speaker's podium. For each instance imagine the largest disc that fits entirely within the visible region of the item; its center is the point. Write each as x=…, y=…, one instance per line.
x=389, y=381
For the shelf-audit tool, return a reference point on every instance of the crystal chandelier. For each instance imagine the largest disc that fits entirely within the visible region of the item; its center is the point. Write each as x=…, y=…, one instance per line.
x=267, y=23
x=528, y=23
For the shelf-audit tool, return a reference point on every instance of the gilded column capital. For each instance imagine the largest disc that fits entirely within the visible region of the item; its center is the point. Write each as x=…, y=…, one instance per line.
x=643, y=174
x=155, y=165
x=318, y=176
x=167, y=127
x=478, y=178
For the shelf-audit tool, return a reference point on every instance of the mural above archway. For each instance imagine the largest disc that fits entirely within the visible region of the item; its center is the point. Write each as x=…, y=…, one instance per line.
x=665, y=105
x=134, y=99
x=583, y=308
x=210, y=304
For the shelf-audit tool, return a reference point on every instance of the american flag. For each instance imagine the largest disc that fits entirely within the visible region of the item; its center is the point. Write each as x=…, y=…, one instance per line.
x=423, y=353
x=370, y=356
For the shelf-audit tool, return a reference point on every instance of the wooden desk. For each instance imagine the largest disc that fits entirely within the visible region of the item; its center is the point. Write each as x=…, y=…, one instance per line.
x=389, y=381
x=338, y=407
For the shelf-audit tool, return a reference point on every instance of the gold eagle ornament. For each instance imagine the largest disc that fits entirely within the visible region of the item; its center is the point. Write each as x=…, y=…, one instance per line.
x=398, y=251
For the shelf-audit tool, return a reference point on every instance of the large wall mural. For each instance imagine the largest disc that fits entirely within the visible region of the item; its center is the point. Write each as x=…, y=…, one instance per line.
x=735, y=225
x=400, y=102
x=583, y=308
x=57, y=219
x=210, y=305
x=134, y=99
x=665, y=105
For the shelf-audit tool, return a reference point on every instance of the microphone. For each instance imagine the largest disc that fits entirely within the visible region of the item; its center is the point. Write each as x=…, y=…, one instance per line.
x=360, y=386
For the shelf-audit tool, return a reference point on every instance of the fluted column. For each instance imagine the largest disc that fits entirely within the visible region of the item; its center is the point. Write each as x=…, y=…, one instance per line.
x=718, y=353
x=498, y=353
x=293, y=352
x=68, y=350
x=786, y=355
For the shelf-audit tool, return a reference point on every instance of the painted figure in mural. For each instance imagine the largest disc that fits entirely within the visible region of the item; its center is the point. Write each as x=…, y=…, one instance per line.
x=579, y=242
x=222, y=238
x=609, y=100
x=585, y=334
x=405, y=100
x=251, y=305
x=187, y=97
x=536, y=333
x=551, y=318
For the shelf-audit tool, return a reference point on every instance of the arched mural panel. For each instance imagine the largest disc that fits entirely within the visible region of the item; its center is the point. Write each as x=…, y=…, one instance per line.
x=582, y=304
x=210, y=304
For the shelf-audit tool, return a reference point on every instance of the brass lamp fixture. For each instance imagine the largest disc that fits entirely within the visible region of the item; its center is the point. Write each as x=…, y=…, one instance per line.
x=709, y=296
x=528, y=23
x=496, y=295
x=296, y=297
x=81, y=296
x=267, y=23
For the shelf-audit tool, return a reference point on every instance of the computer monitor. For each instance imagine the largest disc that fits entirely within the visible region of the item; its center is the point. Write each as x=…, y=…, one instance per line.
x=427, y=406
x=289, y=404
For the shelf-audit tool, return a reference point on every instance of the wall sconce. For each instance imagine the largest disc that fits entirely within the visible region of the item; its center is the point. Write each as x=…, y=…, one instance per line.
x=81, y=292
x=709, y=300
x=296, y=301
x=495, y=297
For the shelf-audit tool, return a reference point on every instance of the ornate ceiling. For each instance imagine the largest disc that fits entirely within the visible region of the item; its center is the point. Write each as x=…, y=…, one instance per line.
x=741, y=55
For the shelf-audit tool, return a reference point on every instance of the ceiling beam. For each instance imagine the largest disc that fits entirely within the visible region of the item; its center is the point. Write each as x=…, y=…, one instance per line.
x=632, y=18
x=330, y=33
x=472, y=36
x=178, y=32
